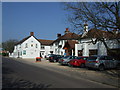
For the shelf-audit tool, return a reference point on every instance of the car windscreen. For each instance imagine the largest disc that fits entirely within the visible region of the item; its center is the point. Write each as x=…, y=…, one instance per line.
x=59, y=56
x=92, y=58
x=66, y=57
x=52, y=55
x=85, y=58
x=79, y=58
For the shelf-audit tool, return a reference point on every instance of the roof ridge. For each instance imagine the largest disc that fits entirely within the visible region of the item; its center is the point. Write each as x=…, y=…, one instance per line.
x=45, y=39
x=24, y=39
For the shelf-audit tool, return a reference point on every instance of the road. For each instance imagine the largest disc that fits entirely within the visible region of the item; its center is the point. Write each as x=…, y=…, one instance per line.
x=33, y=76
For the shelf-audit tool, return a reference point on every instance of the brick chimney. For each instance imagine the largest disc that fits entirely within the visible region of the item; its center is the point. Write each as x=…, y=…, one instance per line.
x=31, y=33
x=58, y=35
x=67, y=30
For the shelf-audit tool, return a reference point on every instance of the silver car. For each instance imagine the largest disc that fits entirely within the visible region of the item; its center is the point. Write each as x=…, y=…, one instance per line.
x=101, y=62
x=66, y=59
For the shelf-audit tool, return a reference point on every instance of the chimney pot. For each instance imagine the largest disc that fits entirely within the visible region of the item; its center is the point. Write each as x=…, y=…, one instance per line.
x=67, y=29
x=31, y=33
x=58, y=35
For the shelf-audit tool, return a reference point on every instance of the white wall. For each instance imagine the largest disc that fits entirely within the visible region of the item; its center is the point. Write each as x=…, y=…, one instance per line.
x=85, y=49
x=78, y=47
x=31, y=51
x=56, y=50
x=86, y=46
x=101, y=49
x=45, y=51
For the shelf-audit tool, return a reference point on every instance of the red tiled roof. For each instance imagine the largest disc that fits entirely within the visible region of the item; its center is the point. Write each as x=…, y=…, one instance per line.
x=45, y=42
x=68, y=36
x=97, y=33
x=70, y=44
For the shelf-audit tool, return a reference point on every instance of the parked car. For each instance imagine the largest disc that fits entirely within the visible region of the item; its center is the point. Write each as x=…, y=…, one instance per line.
x=47, y=56
x=79, y=61
x=55, y=58
x=66, y=59
x=101, y=62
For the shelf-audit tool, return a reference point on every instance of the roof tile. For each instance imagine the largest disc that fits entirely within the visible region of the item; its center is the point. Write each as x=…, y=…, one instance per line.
x=45, y=42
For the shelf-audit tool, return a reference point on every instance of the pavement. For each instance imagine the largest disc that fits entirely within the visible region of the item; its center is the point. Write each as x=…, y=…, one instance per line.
x=109, y=77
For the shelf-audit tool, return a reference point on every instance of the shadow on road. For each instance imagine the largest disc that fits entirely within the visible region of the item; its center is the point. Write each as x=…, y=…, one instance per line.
x=8, y=81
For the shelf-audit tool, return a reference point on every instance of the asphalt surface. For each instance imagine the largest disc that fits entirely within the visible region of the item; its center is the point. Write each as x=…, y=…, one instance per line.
x=20, y=75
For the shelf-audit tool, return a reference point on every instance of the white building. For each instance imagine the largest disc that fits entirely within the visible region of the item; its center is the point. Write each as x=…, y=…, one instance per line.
x=89, y=43
x=68, y=44
x=65, y=44
x=31, y=47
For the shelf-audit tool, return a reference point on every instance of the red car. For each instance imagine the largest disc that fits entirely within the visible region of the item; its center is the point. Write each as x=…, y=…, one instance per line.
x=80, y=61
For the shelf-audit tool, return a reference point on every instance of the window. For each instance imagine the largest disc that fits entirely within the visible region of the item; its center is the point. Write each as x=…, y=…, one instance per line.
x=60, y=46
x=36, y=46
x=31, y=45
x=24, y=52
x=43, y=53
x=42, y=47
x=56, y=44
x=26, y=45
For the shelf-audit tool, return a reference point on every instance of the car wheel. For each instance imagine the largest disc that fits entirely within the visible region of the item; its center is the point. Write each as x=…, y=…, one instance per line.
x=82, y=65
x=89, y=68
x=101, y=68
x=54, y=60
x=69, y=65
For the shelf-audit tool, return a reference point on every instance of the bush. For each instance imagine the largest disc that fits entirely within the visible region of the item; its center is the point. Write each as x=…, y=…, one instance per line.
x=5, y=54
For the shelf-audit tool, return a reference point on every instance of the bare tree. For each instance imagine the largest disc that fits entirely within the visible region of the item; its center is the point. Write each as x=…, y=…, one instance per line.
x=9, y=45
x=99, y=15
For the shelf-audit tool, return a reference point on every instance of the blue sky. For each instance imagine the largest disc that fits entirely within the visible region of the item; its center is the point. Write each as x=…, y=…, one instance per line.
x=45, y=19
